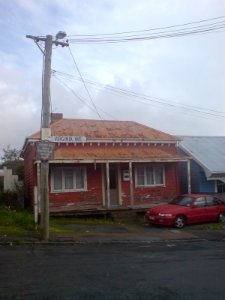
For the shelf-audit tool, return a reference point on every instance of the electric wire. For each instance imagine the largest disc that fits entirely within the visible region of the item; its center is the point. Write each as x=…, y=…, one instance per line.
x=149, y=34
x=85, y=86
x=146, y=30
x=205, y=26
x=185, y=112
x=79, y=97
x=213, y=26
x=146, y=99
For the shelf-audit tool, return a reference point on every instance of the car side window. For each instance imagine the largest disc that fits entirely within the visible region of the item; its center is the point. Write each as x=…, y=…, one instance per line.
x=217, y=201
x=210, y=201
x=200, y=202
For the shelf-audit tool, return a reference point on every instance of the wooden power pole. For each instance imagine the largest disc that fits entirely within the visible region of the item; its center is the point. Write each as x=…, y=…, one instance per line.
x=44, y=148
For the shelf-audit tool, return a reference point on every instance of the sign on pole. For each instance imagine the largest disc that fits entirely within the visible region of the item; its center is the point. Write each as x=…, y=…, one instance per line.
x=45, y=151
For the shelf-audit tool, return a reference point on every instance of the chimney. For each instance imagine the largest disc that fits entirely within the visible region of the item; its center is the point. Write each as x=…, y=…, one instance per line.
x=56, y=117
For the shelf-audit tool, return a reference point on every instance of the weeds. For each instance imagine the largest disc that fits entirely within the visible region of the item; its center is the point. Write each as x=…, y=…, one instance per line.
x=15, y=222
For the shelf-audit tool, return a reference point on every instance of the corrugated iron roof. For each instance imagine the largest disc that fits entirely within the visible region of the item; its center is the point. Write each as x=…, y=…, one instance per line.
x=208, y=151
x=102, y=129
x=119, y=152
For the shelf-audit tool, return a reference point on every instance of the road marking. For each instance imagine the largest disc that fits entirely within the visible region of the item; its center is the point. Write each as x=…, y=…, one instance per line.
x=170, y=245
x=174, y=231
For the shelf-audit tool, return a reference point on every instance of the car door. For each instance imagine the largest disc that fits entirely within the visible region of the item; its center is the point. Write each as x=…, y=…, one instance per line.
x=212, y=208
x=198, y=213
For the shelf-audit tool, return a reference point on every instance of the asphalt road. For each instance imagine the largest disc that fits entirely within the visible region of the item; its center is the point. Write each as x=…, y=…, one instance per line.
x=153, y=271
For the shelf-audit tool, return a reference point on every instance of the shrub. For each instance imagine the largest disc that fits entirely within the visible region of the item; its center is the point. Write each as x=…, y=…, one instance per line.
x=10, y=199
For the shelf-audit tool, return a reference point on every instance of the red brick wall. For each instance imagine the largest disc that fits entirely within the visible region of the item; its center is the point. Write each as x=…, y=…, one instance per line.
x=91, y=197
x=149, y=195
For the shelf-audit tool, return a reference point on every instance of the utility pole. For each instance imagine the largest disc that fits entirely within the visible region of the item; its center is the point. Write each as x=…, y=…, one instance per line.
x=45, y=150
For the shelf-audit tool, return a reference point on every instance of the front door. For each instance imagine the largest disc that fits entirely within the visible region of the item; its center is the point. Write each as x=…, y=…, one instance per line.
x=113, y=185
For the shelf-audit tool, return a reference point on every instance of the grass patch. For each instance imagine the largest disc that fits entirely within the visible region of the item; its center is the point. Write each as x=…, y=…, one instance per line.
x=16, y=222
x=59, y=224
x=63, y=230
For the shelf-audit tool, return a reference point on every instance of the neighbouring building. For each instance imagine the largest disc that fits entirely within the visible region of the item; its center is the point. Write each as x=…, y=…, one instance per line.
x=207, y=167
x=100, y=164
x=7, y=179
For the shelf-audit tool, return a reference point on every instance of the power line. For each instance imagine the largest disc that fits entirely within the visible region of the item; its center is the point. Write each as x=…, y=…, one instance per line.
x=146, y=30
x=157, y=100
x=186, y=112
x=79, y=97
x=149, y=34
x=89, y=95
x=150, y=37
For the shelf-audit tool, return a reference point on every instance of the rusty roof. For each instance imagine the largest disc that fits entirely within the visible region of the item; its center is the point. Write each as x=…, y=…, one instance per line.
x=115, y=153
x=104, y=129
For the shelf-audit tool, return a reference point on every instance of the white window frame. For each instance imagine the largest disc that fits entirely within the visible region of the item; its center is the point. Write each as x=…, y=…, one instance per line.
x=154, y=167
x=63, y=170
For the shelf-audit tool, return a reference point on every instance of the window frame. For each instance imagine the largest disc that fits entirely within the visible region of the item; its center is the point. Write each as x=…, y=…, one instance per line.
x=220, y=186
x=154, y=167
x=63, y=176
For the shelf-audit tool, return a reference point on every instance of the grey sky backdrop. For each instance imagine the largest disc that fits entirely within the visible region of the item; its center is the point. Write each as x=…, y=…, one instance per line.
x=164, y=74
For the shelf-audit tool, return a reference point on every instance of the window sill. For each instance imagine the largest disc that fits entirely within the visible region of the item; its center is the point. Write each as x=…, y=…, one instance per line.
x=67, y=191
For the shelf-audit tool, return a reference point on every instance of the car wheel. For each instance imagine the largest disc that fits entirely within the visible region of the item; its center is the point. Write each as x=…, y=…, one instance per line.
x=221, y=217
x=180, y=221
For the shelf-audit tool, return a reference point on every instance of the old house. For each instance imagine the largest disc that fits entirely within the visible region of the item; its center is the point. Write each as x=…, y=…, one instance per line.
x=104, y=165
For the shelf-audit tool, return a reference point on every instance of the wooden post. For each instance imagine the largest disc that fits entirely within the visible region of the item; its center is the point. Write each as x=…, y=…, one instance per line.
x=119, y=185
x=131, y=185
x=107, y=186
x=38, y=191
x=44, y=202
x=103, y=186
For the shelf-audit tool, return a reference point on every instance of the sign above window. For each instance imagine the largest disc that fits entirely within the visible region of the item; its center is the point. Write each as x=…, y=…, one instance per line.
x=68, y=139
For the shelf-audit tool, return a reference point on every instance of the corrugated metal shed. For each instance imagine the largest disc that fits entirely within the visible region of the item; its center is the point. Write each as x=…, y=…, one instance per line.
x=207, y=151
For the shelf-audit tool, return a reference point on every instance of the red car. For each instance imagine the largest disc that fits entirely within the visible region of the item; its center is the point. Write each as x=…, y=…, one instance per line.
x=188, y=209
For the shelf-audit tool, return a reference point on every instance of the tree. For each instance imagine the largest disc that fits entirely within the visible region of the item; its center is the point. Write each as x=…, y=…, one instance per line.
x=10, y=154
x=12, y=160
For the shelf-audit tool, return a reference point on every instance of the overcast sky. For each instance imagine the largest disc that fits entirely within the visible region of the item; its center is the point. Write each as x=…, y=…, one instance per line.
x=187, y=70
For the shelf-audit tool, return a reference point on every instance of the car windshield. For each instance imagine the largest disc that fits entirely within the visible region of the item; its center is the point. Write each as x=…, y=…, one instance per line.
x=182, y=200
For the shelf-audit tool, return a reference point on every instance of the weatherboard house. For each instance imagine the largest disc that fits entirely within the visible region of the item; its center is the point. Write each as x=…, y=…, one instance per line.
x=207, y=164
x=101, y=165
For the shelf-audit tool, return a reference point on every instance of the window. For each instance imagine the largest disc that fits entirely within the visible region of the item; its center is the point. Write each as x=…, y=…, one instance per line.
x=209, y=201
x=68, y=179
x=182, y=200
x=149, y=175
x=220, y=186
x=200, y=202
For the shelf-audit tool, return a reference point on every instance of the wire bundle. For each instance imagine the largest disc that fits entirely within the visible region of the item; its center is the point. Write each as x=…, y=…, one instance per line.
x=192, y=28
